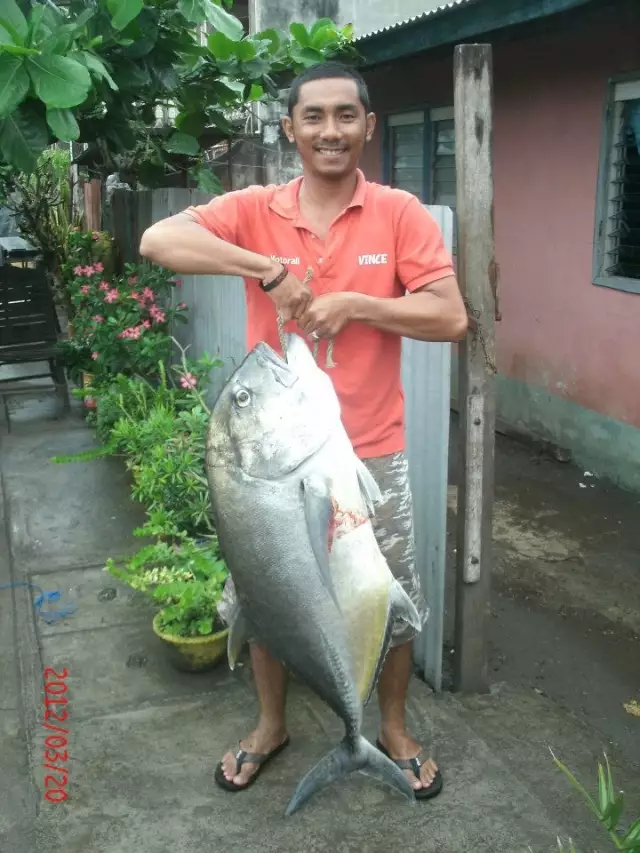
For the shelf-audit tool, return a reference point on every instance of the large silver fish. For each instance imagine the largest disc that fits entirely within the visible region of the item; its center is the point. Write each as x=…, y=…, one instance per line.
x=292, y=505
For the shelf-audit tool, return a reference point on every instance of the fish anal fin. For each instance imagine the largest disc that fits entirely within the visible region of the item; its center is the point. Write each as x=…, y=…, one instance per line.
x=368, y=487
x=238, y=635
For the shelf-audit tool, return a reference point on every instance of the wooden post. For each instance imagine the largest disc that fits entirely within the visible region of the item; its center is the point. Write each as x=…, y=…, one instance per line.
x=477, y=274
x=92, y=205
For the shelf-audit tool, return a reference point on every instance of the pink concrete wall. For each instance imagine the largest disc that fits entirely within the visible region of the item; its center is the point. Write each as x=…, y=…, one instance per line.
x=558, y=331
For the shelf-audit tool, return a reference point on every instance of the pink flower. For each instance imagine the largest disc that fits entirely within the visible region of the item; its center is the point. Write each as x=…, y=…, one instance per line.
x=133, y=279
x=95, y=356
x=111, y=295
x=146, y=324
x=98, y=267
x=181, y=305
x=78, y=270
x=188, y=381
x=104, y=285
x=135, y=295
x=132, y=333
x=178, y=283
x=89, y=270
x=98, y=318
x=148, y=294
x=159, y=316
x=84, y=289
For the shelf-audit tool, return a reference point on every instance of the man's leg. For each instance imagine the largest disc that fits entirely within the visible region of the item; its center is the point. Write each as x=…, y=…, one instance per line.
x=271, y=685
x=393, y=525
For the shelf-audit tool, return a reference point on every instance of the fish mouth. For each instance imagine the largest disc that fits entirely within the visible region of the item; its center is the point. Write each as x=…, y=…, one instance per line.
x=269, y=358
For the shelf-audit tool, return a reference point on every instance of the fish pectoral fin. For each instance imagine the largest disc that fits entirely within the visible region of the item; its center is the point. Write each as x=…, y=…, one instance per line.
x=368, y=487
x=238, y=635
x=401, y=607
x=318, y=513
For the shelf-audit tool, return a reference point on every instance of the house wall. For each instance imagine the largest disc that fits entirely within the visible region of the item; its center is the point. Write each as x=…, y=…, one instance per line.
x=568, y=351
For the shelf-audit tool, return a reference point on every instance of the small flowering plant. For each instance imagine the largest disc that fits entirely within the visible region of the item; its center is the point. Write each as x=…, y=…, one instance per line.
x=184, y=576
x=124, y=322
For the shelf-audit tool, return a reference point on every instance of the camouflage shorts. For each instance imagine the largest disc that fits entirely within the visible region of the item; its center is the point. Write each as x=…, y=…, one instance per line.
x=393, y=527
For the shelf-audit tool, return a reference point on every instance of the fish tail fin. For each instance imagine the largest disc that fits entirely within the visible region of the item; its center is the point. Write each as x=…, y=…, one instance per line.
x=350, y=755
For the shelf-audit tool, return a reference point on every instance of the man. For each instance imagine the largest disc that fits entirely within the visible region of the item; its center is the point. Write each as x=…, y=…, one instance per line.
x=368, y=246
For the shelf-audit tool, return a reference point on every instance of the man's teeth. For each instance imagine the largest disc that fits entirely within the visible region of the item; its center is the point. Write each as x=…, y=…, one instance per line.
x=331, y=151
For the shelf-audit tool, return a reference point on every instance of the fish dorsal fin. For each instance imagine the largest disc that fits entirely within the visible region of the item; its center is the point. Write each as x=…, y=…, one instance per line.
x=318, y=510
x=368, y=487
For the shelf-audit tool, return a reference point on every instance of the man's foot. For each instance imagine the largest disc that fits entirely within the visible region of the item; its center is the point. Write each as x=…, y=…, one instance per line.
x=263, y=745
x=423, y=775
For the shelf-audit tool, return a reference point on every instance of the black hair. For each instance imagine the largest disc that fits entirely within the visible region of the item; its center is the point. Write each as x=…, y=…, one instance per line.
x=323, y=71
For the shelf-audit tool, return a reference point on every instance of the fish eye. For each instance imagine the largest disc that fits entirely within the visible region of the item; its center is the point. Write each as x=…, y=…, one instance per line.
x=242, y=398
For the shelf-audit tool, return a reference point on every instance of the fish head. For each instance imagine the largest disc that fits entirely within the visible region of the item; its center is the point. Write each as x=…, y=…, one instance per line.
x=270, y=416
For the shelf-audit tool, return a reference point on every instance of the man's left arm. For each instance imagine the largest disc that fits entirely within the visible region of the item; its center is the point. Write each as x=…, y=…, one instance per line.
x=432, y=310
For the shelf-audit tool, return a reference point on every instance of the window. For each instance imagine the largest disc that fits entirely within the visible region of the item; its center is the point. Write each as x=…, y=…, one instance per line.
x=420, y=156
x=617, y=243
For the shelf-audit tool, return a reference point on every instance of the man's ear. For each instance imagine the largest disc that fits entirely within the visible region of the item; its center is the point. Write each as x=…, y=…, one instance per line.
x=287, y=126
x=371, y=126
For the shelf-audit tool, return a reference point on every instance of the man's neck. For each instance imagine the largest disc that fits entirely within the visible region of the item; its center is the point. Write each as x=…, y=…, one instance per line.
x=319, y=194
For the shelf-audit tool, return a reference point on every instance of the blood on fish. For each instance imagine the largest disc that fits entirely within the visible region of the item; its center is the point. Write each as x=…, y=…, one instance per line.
x=343, y=521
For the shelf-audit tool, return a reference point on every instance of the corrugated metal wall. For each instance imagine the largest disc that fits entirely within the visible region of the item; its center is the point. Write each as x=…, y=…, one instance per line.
x=217, y=326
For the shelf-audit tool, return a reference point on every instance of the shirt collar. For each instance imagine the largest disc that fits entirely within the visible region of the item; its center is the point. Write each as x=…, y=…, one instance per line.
x=285, y=198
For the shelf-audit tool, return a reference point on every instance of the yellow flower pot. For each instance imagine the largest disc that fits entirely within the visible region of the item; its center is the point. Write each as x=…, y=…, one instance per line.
x=193, y=654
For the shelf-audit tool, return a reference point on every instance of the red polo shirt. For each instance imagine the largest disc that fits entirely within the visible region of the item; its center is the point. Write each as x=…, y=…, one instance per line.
x=384, y=244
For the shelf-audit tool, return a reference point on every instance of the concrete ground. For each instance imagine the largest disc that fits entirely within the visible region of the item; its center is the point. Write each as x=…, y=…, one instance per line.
x=144, y=738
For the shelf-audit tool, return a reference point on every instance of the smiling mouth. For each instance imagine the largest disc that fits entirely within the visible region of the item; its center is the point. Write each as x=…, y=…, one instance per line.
x=331, y=152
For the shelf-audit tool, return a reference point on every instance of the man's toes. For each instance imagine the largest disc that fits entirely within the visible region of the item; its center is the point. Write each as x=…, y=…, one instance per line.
x=245, y=774
x=428, y=772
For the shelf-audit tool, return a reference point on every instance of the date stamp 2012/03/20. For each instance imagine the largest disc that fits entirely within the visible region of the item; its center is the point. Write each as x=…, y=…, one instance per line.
x=56, y=753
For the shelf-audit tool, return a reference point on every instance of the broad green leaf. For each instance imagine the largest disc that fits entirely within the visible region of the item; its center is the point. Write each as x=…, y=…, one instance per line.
x=63, y=123
x=256, y=92
x=23, y=137
x=5, y=36
x=207, y=181
x=347, y=31
x=271, y=36
x=181, y=143
x=322, y=36
x=192, y=123
x=17, y=50
x=221, y=46
x=14, y=83
x=193, y=10
x=123, y=12
x=96, y=65
x=58, y=80
x=300, y=34
x=234, y=85
x=223, y=21
x=12, y=19
x=320, y=24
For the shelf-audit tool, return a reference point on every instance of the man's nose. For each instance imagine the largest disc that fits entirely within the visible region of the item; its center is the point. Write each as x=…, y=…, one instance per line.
x=331, y=128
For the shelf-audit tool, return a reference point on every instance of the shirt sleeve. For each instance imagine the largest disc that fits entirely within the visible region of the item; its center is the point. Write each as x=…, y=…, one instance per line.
x=421, y=256
x=224, y=215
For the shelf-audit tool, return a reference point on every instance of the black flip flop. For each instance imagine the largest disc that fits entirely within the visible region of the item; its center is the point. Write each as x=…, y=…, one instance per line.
x=244, y=757
x=414, y=764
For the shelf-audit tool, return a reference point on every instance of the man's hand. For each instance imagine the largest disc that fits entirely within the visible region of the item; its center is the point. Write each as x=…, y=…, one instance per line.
x=291, y=297
x=328, y=314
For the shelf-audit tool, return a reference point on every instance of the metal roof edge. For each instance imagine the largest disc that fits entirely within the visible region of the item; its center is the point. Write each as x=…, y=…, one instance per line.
x=460, y=20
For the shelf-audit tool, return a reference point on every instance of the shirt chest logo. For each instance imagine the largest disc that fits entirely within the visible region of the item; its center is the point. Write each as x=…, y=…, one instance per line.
x=288, y=262
x=370, y=260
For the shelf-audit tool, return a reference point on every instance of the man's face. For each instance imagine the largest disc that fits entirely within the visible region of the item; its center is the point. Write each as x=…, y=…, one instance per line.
x=329, y=126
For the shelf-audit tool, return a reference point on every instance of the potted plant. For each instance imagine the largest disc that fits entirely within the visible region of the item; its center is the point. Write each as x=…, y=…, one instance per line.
x=186, y=578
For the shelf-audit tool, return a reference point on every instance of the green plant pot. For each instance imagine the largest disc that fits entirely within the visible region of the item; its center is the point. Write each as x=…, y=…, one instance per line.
x=193, y=654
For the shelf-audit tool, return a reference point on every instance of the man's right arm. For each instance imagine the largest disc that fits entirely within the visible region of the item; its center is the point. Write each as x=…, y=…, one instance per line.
x=182, y=245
